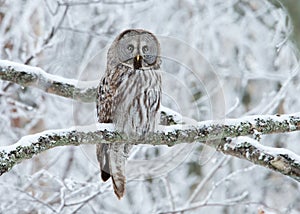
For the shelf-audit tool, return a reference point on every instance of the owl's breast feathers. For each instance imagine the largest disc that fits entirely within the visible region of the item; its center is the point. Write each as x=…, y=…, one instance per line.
x=130, y=99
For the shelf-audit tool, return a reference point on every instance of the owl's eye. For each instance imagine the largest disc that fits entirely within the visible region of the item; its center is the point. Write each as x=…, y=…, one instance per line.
x=145, y=49
x=130, y=48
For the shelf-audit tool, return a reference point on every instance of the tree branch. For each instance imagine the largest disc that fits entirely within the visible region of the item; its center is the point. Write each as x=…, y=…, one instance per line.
x=25, y=75
x=208, y=132
x=278, y=159
x=217, y=134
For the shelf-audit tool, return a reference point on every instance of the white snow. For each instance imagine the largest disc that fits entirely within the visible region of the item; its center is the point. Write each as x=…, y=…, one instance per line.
x=46, y=76
x=29, y=139
x=266, y=149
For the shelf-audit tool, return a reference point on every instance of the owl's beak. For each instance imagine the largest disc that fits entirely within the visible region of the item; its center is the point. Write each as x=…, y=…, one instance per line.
x=137, y=62
x=138, y=57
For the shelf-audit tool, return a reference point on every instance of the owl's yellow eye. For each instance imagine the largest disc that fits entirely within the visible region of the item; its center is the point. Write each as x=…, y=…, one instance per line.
x=145, y=49
x=130, y=48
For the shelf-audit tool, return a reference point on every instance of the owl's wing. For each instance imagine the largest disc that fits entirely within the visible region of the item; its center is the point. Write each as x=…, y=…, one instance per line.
x=111, y=157
x=102, y=152
x=104, y=101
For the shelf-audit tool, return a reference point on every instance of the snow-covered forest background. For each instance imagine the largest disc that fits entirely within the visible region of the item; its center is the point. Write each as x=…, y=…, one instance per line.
x=221, y=59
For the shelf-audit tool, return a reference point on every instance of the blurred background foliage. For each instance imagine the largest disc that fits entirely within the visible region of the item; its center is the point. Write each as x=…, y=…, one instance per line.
x=293, y=8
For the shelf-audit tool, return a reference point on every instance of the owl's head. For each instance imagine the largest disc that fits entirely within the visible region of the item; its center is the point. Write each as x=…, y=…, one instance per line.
x=135, y=48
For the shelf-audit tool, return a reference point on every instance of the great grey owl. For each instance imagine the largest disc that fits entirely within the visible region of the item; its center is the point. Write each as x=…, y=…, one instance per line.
x=128, y=96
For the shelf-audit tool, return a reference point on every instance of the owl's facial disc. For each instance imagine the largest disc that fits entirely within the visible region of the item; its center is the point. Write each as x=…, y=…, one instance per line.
x=138, y=50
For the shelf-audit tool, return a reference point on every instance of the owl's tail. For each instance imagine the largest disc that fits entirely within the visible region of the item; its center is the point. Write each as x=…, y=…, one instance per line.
x=118, y=155
x=112, y=159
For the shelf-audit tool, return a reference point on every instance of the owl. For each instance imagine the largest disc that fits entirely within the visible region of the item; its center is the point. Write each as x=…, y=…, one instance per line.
x=128, y=96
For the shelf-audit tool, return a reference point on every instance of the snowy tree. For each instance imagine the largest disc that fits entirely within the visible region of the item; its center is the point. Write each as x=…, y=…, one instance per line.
x=230, y=89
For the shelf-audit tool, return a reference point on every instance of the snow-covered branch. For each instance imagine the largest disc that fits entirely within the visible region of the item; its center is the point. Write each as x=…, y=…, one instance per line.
x=278, y=159
x=217, y=135
x=25, y=75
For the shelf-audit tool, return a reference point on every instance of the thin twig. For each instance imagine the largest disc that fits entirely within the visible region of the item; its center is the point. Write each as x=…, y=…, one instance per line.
x=209, y=175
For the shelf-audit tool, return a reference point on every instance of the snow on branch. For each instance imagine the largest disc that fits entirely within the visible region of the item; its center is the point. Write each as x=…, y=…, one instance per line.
x=217, y=135
x=278, y=159
x=25, y=75
x=225, y=135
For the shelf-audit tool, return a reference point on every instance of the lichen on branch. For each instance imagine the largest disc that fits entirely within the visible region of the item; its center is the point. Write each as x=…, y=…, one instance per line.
x=207, y=132
x=224, y=135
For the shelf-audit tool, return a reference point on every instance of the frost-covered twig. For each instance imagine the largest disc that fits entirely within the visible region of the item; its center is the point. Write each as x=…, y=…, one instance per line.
x=217, y=135
x=207, y=177
x=25, y=75
x=49, y=37
x=233, y=201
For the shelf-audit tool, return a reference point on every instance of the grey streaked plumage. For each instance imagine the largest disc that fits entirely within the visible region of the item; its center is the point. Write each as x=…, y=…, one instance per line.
x=129, y=96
